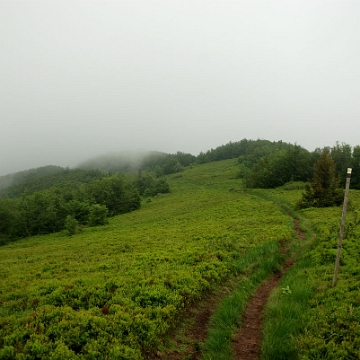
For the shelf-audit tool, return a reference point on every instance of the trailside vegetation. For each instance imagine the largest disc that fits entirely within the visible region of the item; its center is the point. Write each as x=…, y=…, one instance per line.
x=249, y=150
x=150, y=186
x=323, y=189
x=118, y=291
x=227, y=317
x=51, y=198
x=262, y=164
x=115, y=292
x=331, y=319
x=312, y=319
x=38, y=201
x=265, y=164
x=280, y=167
x=47, y=211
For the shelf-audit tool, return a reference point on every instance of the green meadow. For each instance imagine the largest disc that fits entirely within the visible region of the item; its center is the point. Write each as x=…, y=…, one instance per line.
x=116, y=291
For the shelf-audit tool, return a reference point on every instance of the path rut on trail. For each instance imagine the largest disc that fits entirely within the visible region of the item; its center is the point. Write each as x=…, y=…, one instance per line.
x=247, y=342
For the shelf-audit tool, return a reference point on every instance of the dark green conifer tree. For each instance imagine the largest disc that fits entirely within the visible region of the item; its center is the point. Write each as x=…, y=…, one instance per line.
x=323, y=189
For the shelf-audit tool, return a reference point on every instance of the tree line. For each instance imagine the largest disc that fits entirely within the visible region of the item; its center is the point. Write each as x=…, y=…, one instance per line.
x=49, y=199
x=262, y=163
x=68, y=206
x=265, y=164
x=14, y=185
x=159, y=163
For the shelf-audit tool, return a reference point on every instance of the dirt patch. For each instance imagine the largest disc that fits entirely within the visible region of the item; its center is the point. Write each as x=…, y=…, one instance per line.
x=196, y=334
x=194, y=326
x=247, y=342
x=300, y=233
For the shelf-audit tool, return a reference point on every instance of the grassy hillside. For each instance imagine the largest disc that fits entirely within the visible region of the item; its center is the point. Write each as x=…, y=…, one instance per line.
x=315, y=320
x=114, y=291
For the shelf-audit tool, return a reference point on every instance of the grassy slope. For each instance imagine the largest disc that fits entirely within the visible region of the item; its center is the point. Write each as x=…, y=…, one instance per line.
x=316, y=320
x=114, y=291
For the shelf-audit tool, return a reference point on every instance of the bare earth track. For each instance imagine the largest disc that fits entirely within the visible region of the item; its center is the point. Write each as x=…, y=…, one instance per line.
x=247, y=342
x=197, y=332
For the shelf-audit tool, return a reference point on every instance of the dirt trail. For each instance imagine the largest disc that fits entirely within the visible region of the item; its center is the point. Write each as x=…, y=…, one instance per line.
x=197, y=332
x=247, y=342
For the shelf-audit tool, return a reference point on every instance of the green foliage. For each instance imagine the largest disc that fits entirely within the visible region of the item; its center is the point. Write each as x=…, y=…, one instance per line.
x=294, y=185
x=116, y=291
x=148, y=186
x=114, y=192
x=7, y=217
x=342, y=156
x=317, y=320
x=161, y=187
x=40, y=213
x=269, y=171
x=324, y=187
x=98, y=215
x=261, y=262
x=355, y=176
x=332, y=318
x=44, y=212
x=248, y=151
x=283, y=318
x=171, y=166
x=70, y=225
x=280, y=167
x=28, y=175
x=43, y=178
x=144, y=183
x=267, y=165
x=79, y=210
x=158, y=162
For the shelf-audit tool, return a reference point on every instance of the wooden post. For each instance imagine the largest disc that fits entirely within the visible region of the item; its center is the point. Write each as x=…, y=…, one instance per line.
x=342, y=225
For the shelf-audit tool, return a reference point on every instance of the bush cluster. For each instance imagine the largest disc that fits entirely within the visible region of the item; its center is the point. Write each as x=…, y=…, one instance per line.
x=332, y=319
x=58, y=208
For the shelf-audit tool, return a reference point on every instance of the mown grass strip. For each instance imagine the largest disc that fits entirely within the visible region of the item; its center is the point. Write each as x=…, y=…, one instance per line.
x=228, y=315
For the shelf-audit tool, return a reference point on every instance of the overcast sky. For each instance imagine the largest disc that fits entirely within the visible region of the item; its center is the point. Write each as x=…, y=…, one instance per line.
x=83, y=78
